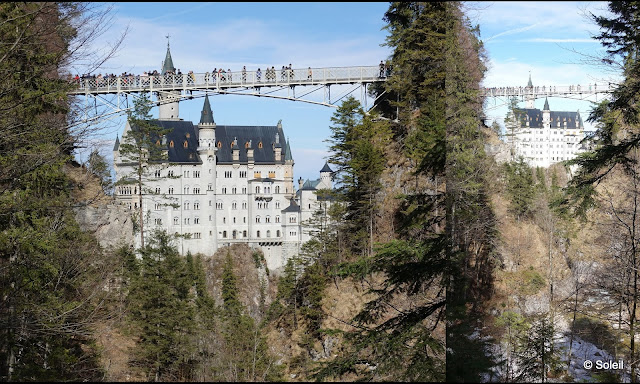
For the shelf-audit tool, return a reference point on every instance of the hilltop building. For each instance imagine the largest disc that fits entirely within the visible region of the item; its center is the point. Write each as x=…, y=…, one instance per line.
x=223, y=184
x=544, y=137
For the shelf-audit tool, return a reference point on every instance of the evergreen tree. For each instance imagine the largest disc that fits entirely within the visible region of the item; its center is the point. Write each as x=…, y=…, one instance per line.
x=520, y=187
x=162, y=307
x=144, y=147
x=244, y=356
x=52, y=274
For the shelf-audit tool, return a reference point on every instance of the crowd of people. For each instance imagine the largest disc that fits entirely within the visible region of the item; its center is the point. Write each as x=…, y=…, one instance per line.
x=537, y=89
x=218, y=74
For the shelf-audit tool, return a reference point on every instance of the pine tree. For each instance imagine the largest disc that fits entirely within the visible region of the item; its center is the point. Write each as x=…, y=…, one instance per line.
x=144, y=147
x=53, y=273
x=163, y=309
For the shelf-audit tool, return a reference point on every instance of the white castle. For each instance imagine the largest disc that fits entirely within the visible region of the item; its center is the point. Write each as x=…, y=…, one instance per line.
x=223, y=184
x=545, y=137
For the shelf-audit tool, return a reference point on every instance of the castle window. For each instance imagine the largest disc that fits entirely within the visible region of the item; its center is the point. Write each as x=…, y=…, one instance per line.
x=244, y=233
x=196, y=205
x=185, y=144
x=278, y=233
x=267, y=220
x=176, y=221
x=277, y=189
x=171, y=144
x=196, y=190
x=188, y=135
x=158, y=142
x=224, y=234
x=268, y=233
x=219, y=144
x=196, y=173
x=258, y=234
x=260, y=144
x=278, y=220
x=257, y=219
x=196, y=220
x=158, y=221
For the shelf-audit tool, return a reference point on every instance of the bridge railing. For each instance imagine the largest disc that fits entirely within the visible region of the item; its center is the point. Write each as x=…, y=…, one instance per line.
x=262, y=78
x=539, y=91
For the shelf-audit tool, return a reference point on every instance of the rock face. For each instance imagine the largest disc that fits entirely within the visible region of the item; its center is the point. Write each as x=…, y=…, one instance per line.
x=501, y=151
x=110, y=223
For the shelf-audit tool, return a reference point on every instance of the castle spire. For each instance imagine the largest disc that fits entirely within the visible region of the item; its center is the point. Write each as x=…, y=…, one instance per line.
x=530, y=84
x=546, y=105
x=167, y=64
x=206, y=116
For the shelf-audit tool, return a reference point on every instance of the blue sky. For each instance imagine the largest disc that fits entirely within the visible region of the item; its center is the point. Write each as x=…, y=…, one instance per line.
x=520, y=37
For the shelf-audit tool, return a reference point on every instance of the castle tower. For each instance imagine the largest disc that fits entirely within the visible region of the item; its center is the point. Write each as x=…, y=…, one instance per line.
x=168, y=108
x=325, y=177
x=207, y=151
x=530, y=98
x=546, y=114
x=288, y=173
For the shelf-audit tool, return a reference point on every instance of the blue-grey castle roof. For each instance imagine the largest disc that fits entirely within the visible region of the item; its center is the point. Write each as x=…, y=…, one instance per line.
x=182, y=142
x=534, y=116
x=293, y=207
x=326, y=168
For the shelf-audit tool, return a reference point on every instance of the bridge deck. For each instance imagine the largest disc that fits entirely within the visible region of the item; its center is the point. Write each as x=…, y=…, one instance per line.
x=234, y=79
x=550, y=91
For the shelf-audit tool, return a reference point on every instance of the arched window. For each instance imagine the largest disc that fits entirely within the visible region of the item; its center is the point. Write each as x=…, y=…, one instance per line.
x=171, y=144
x=185, y=144
x=268, y=233
x=219, y=144
x=258, y=234
x=224, y=234
x=278, y=233
x=260, y=144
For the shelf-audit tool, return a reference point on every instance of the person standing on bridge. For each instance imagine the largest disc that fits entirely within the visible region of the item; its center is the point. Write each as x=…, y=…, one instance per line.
x=283, y=73
x=381, y=74
x=309, y=74
x=244, y=74
x=258, y=74
x=229, y=72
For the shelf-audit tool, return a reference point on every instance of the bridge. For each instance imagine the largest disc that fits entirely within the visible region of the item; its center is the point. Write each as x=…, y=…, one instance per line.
x=114, y=92
x=575, y=92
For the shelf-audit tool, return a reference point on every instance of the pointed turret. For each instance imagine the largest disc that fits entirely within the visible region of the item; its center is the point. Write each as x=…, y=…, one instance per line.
x=206, y=116
x=287, y=154
x=206, y=130
x=116, y=146
x=325, y=176
x=167, y=64
x=530, y=98
x=546, y=104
